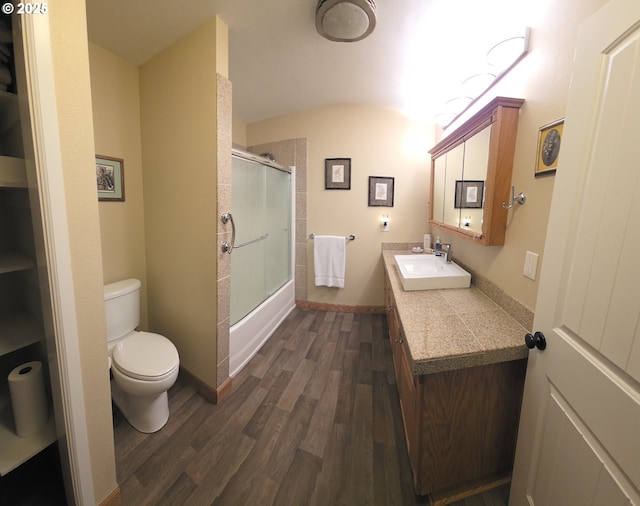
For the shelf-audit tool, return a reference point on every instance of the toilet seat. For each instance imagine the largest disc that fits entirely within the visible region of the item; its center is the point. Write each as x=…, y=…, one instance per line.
x=145, y=356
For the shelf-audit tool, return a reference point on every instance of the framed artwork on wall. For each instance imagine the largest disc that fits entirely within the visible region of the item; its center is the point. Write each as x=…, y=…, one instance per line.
x=110, y=178
x=337, y=174
x=380, y=191
x=469, y=194
x=549, y=138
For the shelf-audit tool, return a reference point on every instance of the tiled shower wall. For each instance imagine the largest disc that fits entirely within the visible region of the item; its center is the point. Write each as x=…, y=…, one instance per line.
x=223, y=266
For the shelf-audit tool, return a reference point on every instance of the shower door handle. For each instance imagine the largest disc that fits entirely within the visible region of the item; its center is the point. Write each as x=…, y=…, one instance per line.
x=226, y=246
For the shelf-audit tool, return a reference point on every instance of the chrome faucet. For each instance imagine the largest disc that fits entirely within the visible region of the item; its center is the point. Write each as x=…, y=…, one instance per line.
x=445, y=251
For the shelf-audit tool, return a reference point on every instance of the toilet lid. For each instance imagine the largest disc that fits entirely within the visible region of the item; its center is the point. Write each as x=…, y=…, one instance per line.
x=145, y=355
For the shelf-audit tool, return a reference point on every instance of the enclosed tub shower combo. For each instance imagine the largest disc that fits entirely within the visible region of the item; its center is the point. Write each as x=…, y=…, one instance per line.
x=262, y=285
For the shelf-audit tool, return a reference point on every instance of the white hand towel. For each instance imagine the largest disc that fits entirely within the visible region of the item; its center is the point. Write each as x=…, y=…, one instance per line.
x=329, y=255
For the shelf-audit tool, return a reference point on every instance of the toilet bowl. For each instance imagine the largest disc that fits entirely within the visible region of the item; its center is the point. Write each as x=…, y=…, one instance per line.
x=144, y=365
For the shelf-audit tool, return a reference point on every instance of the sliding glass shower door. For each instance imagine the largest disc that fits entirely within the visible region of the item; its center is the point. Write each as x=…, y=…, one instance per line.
x=261, y=258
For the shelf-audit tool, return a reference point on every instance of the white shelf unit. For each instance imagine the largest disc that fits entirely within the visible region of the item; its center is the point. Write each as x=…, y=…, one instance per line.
x=10, y=132
x=12, y=172
x=18, y=331
x=13, y=262
x=21, y=328
x=17, y=450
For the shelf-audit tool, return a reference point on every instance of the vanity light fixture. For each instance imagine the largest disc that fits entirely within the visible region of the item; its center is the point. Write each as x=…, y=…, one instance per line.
x=500, y=59
x=345, y=20
x=476, y=84
x=507, y=52
x=458, y=104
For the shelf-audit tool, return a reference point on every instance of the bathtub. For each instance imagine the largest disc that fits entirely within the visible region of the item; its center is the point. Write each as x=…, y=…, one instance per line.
x=249, y=335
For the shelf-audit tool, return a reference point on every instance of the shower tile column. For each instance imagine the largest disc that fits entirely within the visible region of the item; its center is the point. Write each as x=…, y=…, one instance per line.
x=223, y=268
x=301, y=219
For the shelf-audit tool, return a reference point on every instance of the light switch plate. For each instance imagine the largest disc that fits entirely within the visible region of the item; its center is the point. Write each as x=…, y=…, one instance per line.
x=530, y=265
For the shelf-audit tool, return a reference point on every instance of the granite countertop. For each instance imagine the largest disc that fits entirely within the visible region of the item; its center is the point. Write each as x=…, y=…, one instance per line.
x=453, y=328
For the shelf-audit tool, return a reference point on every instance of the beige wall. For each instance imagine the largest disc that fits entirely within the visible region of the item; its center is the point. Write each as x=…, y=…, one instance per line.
x=378, y=142
x=239, y=133
x=543, y=80
x=178, y=120
x=73, y=95
x=116, y=127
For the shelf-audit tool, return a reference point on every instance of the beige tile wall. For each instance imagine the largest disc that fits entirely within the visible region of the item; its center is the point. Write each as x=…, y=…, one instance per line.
x=223, y=272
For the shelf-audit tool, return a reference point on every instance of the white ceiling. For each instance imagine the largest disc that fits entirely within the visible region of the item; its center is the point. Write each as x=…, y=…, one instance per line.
x=279, y=64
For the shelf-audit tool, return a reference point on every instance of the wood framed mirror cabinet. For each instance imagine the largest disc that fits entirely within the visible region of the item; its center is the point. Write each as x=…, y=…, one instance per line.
x=471, y=174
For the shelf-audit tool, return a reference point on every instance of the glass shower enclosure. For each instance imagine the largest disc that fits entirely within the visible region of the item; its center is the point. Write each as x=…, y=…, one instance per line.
x=261, y=259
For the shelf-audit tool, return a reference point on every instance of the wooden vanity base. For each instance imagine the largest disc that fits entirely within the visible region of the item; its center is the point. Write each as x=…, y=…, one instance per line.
x=466, y=425
x=460, y=402
x=460, y=425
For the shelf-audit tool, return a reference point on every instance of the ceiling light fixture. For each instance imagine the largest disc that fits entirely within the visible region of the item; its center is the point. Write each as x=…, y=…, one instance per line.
x=345, y=20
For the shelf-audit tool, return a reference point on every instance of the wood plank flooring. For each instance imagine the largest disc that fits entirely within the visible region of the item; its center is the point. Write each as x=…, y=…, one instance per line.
x=313, y=419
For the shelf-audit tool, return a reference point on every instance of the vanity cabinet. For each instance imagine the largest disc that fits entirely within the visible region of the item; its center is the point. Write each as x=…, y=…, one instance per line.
x=405, y=380
x=22, y=335
x=471, y=174
x=460, y=425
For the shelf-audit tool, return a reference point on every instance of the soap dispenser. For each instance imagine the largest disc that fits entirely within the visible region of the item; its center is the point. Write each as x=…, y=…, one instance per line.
x=438, y=246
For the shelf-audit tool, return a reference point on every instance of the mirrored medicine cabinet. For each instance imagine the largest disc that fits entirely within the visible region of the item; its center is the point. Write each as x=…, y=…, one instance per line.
x=471, y=174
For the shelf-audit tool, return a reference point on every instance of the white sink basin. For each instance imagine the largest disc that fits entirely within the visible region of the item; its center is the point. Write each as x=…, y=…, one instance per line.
x=429, y=272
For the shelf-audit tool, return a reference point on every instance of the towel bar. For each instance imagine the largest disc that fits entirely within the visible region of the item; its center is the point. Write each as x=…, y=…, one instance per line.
x=261, y=238
x=350, y=237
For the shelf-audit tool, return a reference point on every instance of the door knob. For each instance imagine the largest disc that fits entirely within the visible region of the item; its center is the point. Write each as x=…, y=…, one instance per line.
x=536, y=340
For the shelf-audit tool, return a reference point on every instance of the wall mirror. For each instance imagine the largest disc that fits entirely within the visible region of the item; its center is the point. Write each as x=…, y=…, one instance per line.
x=471, y=174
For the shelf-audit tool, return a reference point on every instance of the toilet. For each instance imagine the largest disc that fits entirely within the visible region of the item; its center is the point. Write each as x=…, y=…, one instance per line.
x=144, y=365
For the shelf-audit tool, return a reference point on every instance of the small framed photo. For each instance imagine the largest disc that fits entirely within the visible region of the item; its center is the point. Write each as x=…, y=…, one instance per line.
x=110, y=178
x=549, y=138
x=469, y=194
x=380, y=191
x=337, y=174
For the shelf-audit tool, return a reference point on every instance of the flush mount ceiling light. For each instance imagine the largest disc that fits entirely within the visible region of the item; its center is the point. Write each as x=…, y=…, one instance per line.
x=345, y=20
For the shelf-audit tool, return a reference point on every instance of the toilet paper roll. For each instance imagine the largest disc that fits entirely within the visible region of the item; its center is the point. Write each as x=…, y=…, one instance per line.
x=28, y=398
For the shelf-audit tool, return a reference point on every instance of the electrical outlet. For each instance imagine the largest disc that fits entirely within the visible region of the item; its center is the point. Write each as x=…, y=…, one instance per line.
x=530, y=265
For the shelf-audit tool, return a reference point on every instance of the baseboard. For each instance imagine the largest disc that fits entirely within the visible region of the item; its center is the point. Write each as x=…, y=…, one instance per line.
x=223, y=391
x=469, y=490
x=338, y=308
x=210, y=394
x=113, y=499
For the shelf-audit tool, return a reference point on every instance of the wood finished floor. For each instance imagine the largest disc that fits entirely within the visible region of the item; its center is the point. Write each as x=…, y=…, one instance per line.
x=313, y=419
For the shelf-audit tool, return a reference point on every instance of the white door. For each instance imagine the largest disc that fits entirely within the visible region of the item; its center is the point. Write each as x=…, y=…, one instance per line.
x=579, y=437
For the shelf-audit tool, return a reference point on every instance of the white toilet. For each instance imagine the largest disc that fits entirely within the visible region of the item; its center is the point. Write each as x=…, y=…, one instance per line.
x=144, y=365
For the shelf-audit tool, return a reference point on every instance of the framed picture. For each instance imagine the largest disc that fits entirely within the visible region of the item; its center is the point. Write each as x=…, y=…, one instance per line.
x=469, y=194
x=380, y=191
x=110, y=178
x=337, y=174
x=549, y=139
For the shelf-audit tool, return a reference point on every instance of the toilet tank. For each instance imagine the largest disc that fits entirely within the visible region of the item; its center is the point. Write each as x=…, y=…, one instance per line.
x=122, y=307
